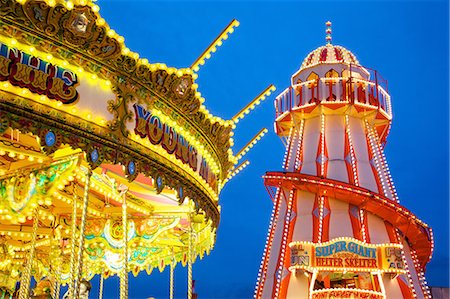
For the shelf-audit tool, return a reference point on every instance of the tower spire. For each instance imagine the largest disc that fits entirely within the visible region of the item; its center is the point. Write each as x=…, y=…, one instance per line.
x=328, y=32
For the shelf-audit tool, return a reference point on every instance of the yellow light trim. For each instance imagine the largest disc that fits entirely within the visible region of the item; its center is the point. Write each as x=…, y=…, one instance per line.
x=213, y=46
x=251, y=143
x=255, y=102
x=236, y=171
x=69, y=109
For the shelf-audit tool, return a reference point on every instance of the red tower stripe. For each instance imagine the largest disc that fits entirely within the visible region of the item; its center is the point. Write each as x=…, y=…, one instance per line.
x=326, y=219
x=355, y=221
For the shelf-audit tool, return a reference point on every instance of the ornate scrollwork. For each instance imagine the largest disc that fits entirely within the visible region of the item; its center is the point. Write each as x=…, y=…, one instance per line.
x=75, y=36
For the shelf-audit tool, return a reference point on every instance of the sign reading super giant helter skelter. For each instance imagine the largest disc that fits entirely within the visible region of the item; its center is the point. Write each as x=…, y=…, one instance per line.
x=348, y=254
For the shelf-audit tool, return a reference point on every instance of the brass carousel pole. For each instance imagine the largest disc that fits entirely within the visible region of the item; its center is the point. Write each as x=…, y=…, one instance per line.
x=56, y=284
x=124, y=273
x=73, y=246
x=24, y=291
x=171, y=280
x=79, y=270
x=100, y=294
x=190, y=258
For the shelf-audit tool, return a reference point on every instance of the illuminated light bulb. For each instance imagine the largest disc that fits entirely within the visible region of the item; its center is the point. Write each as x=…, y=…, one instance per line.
x=111, y=33
x=101, y=21
x=12, y=154
x=40, y=160
x=120, y=39
x=95, y=8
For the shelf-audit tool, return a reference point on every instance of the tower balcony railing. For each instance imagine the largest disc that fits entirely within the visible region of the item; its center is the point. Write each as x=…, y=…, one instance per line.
x=343, y=90
x=346, y=293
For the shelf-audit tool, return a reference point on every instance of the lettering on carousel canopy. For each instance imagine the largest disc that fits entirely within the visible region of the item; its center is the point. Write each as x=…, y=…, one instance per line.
x=347, y=254
x=41, y=77
x=150, y=126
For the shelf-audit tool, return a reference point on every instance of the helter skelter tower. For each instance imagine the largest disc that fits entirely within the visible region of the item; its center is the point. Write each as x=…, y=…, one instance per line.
x=337, y=229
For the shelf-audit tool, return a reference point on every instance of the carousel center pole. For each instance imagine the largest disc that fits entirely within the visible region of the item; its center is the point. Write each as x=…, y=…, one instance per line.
x=79, y=269
x=24, y=291
x=124, y=273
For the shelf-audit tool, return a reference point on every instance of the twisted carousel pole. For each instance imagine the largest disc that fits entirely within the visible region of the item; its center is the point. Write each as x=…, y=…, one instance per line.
x=56, y=284
x=190, y=245
x=79, y=269
x=124, y=273
x=72, y=245
x=24, y=291
x=171, y=278
x=100, y=294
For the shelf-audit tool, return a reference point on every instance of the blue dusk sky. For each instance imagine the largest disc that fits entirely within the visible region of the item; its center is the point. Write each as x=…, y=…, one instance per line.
x=406, y=41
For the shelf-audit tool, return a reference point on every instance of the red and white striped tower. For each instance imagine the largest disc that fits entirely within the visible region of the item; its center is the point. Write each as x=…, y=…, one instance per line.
x=337, y=229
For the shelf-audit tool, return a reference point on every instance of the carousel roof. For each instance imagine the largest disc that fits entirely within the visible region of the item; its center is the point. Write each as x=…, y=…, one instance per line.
x=329, y=54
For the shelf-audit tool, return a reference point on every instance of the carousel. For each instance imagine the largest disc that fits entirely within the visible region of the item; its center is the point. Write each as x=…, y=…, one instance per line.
x=109, y=164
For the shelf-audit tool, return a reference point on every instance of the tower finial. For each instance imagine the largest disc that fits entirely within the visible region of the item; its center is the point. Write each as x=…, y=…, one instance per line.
x=328, y=32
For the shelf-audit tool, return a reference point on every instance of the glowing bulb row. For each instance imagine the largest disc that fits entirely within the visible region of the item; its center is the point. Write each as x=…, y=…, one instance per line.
x=299, y=159
x=213, y=46
x=255, y=102
x=236, y=171
x=352, y=150
x=251, y=143
x=262, y=274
